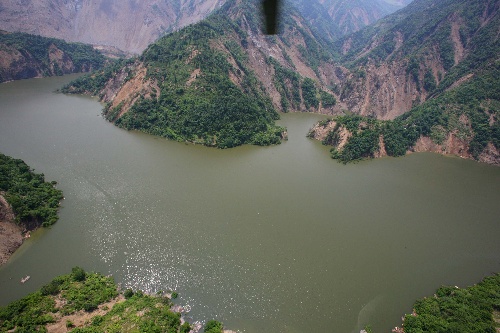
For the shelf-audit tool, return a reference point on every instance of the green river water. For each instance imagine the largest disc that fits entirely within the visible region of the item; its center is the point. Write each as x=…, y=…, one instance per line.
x=265, y=239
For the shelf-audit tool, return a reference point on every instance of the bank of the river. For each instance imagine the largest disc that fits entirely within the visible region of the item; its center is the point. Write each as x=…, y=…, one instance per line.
x=352, y=138
x=90, y=302
x=11, y=235
x=265, y=239
x=453, y=309
x=27, y=202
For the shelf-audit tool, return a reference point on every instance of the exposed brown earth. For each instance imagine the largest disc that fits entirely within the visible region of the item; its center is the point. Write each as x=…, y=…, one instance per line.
x=127, y=86
x=451, y=146
x=455, y=37
x=490, y=155
x=386, y=91
x=319, y=132
x=11, y=236
x=16, y=65
x=454, y=143
x=381, y=152
x=128, y=25
x=80, y=318
x=496, y=318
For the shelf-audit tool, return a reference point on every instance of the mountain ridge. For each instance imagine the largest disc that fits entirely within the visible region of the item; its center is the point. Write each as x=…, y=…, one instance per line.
x=132, y=25
x=128, y=25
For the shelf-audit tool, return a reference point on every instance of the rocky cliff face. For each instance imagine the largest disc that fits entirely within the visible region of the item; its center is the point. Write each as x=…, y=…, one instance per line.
x=130, y=25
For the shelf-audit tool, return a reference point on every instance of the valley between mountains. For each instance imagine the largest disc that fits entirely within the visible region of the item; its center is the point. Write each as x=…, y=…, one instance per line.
x=267, y=239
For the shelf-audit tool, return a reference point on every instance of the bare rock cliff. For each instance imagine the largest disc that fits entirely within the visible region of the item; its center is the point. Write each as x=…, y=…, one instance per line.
x=130, y=25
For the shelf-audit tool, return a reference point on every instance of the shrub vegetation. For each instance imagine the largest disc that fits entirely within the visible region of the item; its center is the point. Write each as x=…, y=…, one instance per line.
x=453, y=309
x=82, y=291
x=35, y=202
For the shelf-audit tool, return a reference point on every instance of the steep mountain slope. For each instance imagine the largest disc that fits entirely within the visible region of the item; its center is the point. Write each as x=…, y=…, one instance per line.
x=220, y=81
x=25, y=56
x=401, y=60
x=442, y=59
x=333, y=19
x=130, y=25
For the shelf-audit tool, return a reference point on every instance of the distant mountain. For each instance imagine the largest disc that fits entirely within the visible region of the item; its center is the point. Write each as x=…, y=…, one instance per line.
x=130, y=25
x=25, y=56
x=439, y=61
x=337, y=18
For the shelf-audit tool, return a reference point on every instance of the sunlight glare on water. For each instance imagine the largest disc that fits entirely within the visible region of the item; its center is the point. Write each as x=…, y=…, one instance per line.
x=266, y=239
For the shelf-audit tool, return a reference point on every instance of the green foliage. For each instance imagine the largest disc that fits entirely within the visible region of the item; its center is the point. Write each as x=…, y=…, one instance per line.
x=477, y=100
x=128, y=293
x=327, y=99
x=35, y=202
x=52, y=288
x=309, y=93
x=457, y=310
x=362, y=143
x=78, y=274
x=287, y=82
x=83, y=56
x=475, y=103
x=413, y=69
x=27, y=314
x=137, y=313
x=86, y=294
x=93, y=83
x=429, y=81
x=213, y=326
x=185, y=328
x=209, y=109
x=333, y=137
x=398, y=137
x=32, y=312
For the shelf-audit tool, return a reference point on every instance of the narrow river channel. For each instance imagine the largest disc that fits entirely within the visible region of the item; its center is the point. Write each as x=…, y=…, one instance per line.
x=265, y=239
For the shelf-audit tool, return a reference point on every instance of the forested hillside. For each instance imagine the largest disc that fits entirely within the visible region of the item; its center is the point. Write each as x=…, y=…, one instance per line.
x=429, y=68
x=25, y=56
x=219, y=82
x=445, y=57
x=408, y=57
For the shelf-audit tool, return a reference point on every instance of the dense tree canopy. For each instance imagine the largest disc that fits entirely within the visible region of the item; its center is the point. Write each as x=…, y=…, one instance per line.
x=33, y=200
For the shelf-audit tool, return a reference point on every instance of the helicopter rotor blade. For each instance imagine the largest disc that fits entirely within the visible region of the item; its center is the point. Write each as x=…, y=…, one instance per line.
x=271, y=11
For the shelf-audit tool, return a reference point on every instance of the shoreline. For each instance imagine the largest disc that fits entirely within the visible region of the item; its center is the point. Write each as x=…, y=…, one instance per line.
x=11, y=234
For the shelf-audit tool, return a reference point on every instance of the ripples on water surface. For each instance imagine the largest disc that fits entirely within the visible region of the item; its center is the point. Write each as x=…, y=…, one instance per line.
x=273, y=239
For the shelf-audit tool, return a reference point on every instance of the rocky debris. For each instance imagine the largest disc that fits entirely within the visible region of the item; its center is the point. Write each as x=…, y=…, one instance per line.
x=11, y=236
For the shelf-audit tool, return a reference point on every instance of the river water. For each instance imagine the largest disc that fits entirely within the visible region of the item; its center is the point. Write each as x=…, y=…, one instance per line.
x=265, y=239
